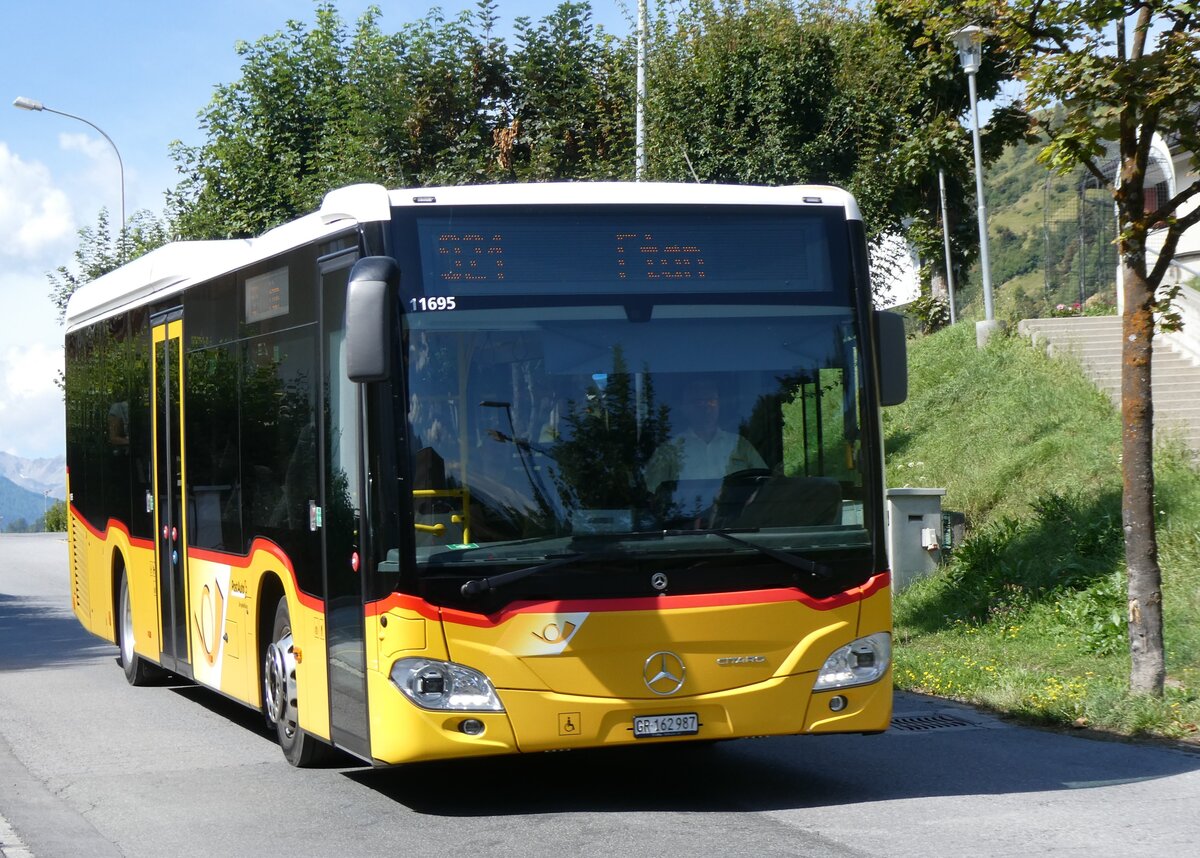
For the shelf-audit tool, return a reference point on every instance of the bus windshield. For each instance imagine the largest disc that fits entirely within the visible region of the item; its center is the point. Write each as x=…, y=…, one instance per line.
x=632, y=422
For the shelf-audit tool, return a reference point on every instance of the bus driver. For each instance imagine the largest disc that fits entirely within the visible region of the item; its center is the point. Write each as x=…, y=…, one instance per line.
x=703, y=451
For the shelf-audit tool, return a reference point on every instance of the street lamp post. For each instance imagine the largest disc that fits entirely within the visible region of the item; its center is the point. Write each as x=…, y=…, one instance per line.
x=640, y=128
x=22, y=103
x=969, y=42
x=946, y=243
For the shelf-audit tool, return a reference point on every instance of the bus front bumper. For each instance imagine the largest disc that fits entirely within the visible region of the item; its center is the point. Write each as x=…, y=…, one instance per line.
x=545, y=721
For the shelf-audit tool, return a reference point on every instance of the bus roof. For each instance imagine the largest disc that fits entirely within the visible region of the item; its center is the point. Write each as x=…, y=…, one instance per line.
x=175, y=266
x=625, y=193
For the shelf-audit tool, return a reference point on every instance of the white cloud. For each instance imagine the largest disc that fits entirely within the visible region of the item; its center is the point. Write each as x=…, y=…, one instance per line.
x=105, y=174
x=31, y=404
x=31, y=371
x=37, y=217
x=33, y=211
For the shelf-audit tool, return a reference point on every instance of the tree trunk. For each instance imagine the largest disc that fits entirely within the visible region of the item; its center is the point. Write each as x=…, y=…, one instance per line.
x=938, y=287
x=1147, y=659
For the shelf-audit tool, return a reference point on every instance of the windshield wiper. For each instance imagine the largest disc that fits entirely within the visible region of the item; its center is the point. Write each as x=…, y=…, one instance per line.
x=479, y=586
x=812, y=567
x=795, y=561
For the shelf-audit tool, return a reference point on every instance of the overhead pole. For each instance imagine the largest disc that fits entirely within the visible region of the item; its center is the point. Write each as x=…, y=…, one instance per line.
x=640, y=133
x=31, y=104
x=946, y=242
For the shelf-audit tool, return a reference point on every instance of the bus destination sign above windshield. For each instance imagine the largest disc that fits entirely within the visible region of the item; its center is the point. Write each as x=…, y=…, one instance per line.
x=475, y=258
x=605, y=254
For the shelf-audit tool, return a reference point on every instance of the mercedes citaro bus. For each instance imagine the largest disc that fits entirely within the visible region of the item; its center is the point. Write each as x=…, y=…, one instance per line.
x=460, y=471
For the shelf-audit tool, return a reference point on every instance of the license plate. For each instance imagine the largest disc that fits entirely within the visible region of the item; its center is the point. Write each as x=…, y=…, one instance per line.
x=650, y=726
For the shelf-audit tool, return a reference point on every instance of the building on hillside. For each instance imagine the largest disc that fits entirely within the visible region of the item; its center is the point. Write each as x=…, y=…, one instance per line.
x=1173, y=168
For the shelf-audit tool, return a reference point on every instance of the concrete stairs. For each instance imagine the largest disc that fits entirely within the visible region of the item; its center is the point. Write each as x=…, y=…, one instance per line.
x=1095, y=341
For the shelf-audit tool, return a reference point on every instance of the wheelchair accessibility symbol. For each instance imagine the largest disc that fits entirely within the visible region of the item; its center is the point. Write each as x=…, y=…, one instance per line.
x=569, y=724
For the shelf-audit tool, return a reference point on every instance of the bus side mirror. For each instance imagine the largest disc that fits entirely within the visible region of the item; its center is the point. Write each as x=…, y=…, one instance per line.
x=373, y=282
x=893, y=358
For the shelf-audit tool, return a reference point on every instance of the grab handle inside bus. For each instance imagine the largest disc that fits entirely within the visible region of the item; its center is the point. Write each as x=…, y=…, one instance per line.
x=373, y=281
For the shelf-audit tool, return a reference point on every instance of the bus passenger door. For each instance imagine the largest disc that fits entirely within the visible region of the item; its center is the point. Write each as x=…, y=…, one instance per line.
x=170, y=520
x=344, y=618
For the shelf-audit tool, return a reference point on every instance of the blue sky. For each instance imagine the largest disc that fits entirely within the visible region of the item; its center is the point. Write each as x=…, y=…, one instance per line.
x=141, y=70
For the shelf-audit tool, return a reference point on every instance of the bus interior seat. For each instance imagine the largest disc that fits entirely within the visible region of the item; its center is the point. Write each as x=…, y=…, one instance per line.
x=793, y=501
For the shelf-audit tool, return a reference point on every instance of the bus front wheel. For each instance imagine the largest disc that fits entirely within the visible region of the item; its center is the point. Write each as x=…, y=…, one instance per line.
x=137, y=670
x=280, y=700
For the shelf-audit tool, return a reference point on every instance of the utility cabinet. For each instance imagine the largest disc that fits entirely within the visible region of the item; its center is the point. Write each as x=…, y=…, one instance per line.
x=914, y=533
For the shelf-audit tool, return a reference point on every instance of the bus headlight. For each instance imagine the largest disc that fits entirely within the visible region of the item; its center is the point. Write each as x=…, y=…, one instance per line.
x=858, y=663
x=445, y=685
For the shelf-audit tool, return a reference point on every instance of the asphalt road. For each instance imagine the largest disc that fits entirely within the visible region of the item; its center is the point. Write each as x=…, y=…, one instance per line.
x=92, y=767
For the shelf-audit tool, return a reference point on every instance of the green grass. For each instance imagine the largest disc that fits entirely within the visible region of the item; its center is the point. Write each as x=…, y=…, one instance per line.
x=1028, y=617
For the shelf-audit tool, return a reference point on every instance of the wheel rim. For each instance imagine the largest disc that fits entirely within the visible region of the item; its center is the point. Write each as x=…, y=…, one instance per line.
x=279, y=673
x=126, y=626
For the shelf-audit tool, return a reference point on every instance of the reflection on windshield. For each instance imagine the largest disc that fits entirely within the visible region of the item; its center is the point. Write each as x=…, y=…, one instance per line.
x=544, y=424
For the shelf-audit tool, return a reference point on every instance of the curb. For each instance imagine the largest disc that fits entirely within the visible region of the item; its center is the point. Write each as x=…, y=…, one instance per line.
x=11, y=845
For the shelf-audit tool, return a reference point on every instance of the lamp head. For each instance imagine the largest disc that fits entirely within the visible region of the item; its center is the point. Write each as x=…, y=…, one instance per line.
x=23, y=103
x=969, y=42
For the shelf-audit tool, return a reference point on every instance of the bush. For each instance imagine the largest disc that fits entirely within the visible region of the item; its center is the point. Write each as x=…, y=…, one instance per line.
x=1094, y=619
x=56, y=517
x=932, y=314
x=1069, y=543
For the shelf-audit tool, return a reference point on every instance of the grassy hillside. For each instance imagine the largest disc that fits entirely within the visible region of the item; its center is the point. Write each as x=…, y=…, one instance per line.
x=1043, y=251
x=1028, y=616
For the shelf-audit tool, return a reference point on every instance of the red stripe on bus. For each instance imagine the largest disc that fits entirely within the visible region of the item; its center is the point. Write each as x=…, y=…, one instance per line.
x=205, y=554
x=113, y=524
x=640, y=603
x=404, y=602
x=243, y=561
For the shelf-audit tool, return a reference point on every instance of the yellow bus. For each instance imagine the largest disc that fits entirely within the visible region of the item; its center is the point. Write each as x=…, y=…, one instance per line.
x=461, y=471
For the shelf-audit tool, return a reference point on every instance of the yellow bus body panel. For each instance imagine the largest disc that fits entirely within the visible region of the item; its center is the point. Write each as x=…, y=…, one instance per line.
x=93, y=562
x=144, y=599
x=226, y=602
x=603, y=653
x=573, y=678
x=223, y=602
x=570, y=675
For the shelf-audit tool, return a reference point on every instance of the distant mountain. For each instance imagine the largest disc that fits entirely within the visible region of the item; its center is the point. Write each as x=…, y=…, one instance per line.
x=17, y=503
x=36, y=475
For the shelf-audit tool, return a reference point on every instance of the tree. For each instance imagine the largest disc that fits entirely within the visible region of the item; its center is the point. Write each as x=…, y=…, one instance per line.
x=932, y=140
x=746, y=91
x=99, y=252
x=56, y=517
x=1119, y=73
x=573, y=99
x=601, y=458
x=270, y=152
x=742, y=92
x=760, y=91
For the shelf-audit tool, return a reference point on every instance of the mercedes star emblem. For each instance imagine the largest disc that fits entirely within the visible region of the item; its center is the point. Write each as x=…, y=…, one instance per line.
x=664, y=672
x=659, y=581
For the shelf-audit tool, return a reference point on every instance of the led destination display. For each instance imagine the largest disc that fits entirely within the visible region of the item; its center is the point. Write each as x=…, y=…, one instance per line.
x=473, y=254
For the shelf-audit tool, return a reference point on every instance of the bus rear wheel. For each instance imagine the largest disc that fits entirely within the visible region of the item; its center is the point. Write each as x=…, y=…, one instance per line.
x=137, y=670
x=280, y=700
